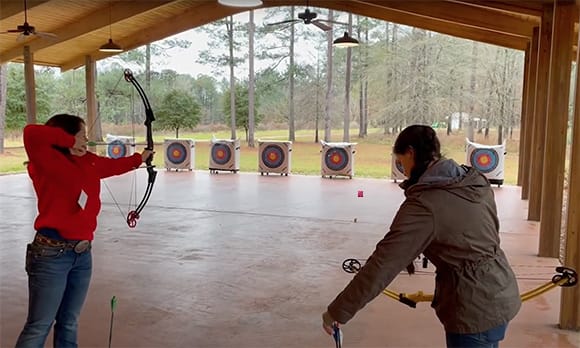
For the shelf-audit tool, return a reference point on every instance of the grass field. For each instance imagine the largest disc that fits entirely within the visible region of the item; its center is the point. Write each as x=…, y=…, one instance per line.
x=372, y=157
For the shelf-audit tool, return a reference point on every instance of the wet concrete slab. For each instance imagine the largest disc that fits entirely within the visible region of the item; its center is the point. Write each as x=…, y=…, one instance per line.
x=243, y=260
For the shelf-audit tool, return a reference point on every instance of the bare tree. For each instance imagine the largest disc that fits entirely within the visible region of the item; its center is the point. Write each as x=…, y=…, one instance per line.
x=251, y=81
x=346, y=132
x=3, y=95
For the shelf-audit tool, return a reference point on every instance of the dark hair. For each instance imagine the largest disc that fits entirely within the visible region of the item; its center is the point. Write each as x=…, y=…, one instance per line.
x=69, y=123
x=423, y=140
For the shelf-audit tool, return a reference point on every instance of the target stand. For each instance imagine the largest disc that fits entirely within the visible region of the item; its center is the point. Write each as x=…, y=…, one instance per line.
x=337, y=159
x=120, y=146
x=397, y=170
x=224, y=155
x=179, y=154
x=274, y=157
x=488, y=160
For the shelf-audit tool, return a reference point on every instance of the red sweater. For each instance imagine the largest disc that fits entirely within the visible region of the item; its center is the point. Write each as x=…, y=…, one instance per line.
x=58, y=180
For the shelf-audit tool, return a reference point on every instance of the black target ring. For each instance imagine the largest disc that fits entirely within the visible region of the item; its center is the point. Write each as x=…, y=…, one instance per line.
x=273, y=156
x=176, y=153
x=116, y=149
x=221, y=153
x=336, y=159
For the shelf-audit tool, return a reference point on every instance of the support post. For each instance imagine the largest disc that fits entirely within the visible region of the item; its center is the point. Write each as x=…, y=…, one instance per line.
x=570, y=299
x=90, y=81
x=556, y=129
x=530, y=114
x=524, y=116
x=30, y=86
x=540, y=119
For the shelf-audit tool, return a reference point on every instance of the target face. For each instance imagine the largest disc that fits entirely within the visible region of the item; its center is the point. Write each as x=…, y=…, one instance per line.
x=484, y=160
x=221, y=154
x=176, y=153
x=336, y=159
x=399, y=166
x=117, y=149
x=273, y=156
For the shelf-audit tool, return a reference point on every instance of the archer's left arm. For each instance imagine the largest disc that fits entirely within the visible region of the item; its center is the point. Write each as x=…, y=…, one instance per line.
x=107, y=167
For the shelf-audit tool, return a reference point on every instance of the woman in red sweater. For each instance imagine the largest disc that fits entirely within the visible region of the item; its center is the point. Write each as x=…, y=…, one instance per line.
x=66, y=178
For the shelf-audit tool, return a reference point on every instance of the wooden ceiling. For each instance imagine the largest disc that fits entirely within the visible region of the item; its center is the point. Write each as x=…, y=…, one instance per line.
x=82, y=26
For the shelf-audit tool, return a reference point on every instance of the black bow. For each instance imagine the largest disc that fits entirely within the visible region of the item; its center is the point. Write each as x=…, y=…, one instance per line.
x=134, y=215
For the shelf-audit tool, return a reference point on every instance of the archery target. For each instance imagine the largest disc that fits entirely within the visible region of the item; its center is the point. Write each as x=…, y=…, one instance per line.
x=273, y=156
x=116, y=149
x=484, y=160
x=176, y=153
x=221, y=153
x=336, y=159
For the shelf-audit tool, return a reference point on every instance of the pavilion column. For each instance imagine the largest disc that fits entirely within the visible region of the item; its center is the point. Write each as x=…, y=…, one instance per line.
x=570, y=300
x=525, y=168
x=30, y=86
x=556, y=129
x=90, y=80
x=524, y=117
x=540, y=115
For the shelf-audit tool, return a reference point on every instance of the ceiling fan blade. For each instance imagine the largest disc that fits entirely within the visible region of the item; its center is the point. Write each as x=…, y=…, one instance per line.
x=321, y=25
x=46, y=35
x=21, y=37
x=284, y=22
x=329, y=21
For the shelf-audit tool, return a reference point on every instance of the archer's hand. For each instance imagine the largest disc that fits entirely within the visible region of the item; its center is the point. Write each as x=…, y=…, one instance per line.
x=328, y=322
x=146, y=154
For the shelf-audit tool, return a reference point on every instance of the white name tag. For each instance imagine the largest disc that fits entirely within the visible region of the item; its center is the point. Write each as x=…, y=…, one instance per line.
x=83, y=199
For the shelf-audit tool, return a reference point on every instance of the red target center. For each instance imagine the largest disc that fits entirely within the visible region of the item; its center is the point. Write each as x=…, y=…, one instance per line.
x=116, y=150
x=484, y=160
x=220, y=154
x=272, y=156
x=176, y=154
x=336, y=158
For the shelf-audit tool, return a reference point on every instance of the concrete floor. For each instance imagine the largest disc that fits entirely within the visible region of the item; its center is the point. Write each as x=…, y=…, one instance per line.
x=241, y=260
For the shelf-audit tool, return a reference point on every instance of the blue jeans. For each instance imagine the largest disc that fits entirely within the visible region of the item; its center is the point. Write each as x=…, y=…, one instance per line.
x=58, y=281
x=486, y=339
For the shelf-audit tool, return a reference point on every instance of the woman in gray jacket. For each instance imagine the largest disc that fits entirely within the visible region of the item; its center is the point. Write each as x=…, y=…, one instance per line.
x=450, y=216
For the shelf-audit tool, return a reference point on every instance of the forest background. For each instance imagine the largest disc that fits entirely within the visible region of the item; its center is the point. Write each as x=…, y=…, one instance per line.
x=305, y=90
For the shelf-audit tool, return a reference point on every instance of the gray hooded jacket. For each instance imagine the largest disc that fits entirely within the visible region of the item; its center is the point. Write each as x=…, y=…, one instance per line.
x=450, y=216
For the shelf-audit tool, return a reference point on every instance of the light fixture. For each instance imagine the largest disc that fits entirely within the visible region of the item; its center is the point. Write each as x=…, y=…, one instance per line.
x=241, y=3
x=110, y=46
x=345, y=41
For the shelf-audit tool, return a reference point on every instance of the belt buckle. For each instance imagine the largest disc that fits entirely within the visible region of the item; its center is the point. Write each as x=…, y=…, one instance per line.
x=82, y=246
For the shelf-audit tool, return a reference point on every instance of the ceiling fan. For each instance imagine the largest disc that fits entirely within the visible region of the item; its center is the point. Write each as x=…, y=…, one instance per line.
x=308, y=17
x=26, y=29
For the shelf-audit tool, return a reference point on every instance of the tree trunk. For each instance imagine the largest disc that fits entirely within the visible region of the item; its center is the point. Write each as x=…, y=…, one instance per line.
x=230, y=27
x=177, y=133
x=361, y=84
x=251, y=100
x=291, y=121
x=148, y=68
x=366, y=94
x=470, y=134
x=346, y=133
x=327, y=127
x=3, y=95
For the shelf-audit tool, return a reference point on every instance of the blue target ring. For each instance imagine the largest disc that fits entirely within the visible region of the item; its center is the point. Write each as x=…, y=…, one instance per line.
x=176, y=153
x=336, y=159
x=484, y=160
x=116, y=149
x=273, y=156
x=221, y=153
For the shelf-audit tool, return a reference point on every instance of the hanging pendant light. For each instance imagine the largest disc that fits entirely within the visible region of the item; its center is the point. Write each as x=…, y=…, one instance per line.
x=345, y=41
x=110, y=46
x=241, y=3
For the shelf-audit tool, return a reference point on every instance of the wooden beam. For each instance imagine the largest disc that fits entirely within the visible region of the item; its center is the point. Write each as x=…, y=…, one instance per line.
x=94, y=21
x=196, y=15
x=556, y=130
x=14, y=7
x=570, y=299
x=524, y=116
x=478, y=17
x=30, y=86
x=522, y=7
x=378, y=11
x=530, y=114
x=540, y=115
